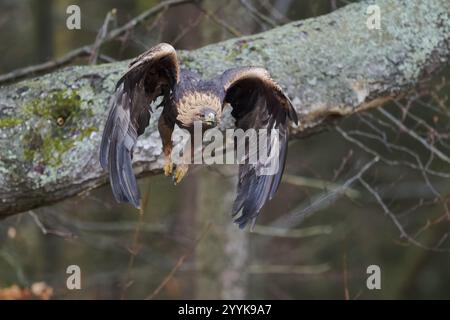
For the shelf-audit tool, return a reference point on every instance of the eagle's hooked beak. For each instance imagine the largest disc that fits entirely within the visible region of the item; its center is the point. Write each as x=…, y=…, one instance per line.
x=209, y=118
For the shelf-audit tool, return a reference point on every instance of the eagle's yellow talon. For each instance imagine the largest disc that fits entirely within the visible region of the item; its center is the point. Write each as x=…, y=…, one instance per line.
x=168, y=169
x=180, y=172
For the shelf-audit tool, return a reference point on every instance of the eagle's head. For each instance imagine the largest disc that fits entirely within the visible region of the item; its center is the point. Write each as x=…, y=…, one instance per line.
x=203, y=107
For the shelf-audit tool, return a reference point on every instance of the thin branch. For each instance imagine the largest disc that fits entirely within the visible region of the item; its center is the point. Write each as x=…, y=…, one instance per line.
x=47, y=231
x=291, y=233
x=188, y=29
x=415, y=135
x=134, y=250
x=317, y=184
x=258, y=15
x=111, y=16
x=323, y=200
x=179, y=263
x=345, y=276
x=275, y=13
x=211, y=15
x=394, y=219
x=288, y=269
x=46, y=66
x=343, y=165
x=388, y=161
x=163, y=6
x=88, y=49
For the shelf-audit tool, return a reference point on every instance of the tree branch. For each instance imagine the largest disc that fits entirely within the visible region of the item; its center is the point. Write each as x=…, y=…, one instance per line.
x=91, y=50
x=333, y=65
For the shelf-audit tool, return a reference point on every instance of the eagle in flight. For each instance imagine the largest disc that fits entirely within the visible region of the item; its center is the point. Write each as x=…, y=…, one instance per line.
x=257, y=102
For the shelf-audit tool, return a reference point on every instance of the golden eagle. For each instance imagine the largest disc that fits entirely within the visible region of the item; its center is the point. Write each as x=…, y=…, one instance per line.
x=256, y=100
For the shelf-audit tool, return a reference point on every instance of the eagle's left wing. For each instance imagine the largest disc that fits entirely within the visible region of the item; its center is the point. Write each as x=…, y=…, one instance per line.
x=258, y=103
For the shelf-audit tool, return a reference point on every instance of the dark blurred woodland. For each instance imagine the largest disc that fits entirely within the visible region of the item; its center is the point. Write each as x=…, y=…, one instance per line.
x=371, y=188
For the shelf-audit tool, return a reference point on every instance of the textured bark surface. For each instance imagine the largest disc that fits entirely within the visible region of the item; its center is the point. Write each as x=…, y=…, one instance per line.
x=50, y=127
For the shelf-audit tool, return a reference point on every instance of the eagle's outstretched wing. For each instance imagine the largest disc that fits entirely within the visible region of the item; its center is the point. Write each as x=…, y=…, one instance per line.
x=258, y=103
x=152, y=74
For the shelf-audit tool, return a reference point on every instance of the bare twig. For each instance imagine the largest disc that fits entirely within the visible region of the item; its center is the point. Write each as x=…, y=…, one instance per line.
x=162, y=6
x=317, y=184
x=46, y=66
x=179, y=263
x=288, y=269
x=134, y=250
x=211, y=15
x=388, y=161
x=88, y=49
x=275, y=12
x=111, y=15
x=46, y=231
x=188, y=29
x=401, y=229
x=345, y=276
x=323, y=200
x=414, y=135
x=343, y=165
x=291, y=233
x=258, y=15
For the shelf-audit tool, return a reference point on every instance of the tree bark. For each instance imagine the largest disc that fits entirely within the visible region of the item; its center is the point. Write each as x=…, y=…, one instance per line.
x=222, y=257
x=333, y=65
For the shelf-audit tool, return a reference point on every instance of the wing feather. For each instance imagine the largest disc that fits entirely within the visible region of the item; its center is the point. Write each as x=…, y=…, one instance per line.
x=152, y=74
x=258, y=103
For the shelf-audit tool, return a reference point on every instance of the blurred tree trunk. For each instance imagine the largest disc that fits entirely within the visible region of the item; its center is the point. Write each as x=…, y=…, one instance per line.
x=221, y=257
x=43, y=22
x=183, y=227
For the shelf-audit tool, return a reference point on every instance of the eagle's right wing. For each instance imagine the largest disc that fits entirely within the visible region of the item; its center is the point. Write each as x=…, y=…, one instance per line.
x=152, y=74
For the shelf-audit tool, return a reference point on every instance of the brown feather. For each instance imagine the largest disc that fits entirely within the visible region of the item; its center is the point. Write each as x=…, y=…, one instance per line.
x=258, y=102
x=152, y=74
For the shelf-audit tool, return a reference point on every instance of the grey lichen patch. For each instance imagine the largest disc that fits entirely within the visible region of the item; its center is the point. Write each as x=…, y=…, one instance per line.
x=59, y=121
x=189, y=62
x=40, y=134
x=421, y=46
x=56, y=119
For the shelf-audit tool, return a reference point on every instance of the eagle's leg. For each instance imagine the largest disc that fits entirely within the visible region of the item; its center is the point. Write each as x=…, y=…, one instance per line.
x=182, y=167
x=165, y=128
